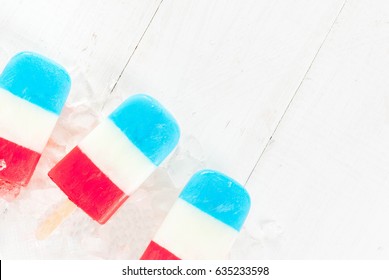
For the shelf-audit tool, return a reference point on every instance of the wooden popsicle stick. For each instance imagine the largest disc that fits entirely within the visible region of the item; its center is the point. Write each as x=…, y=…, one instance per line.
x=55, y=219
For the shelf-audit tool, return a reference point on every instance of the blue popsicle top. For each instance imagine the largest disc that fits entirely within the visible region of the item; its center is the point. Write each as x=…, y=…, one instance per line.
x=148, y=125
x=38, y=80
x=219, y=196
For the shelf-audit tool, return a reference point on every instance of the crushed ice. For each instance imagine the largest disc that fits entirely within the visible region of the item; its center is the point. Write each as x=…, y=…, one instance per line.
x=128, y=232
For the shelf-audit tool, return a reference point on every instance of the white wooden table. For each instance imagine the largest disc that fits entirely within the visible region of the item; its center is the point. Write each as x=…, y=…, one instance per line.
x=291, y=98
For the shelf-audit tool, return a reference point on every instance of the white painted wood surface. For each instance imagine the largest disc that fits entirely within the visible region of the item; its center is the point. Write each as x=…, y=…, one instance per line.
x=324, y=177
x=228, y=69
x=288, y=97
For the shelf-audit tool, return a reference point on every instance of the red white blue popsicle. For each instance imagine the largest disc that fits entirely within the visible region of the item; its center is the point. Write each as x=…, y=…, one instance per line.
x=204, y=221
x=33, y=90
x=101, y=172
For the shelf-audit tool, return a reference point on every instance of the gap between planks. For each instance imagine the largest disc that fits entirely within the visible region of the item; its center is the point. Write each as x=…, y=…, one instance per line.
x=136, y=47
x=295, y=93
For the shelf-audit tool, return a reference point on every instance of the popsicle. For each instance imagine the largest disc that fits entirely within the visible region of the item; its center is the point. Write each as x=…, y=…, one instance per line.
x=101, y=172
x=33, y=91
x=203, y=222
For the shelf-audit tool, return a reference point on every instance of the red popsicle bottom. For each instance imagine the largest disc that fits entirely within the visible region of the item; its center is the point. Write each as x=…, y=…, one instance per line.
x=17, y=164
x=87, y=187
x=157, y=252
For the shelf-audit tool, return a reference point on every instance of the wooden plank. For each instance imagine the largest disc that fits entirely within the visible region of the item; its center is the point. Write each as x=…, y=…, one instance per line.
x=324, y=178
x=92, y=39
x=228, y=69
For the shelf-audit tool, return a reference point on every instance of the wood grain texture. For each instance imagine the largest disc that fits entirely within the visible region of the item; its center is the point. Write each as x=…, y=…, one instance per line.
x=324, y=178
x=228, y=69
x=289, y=97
